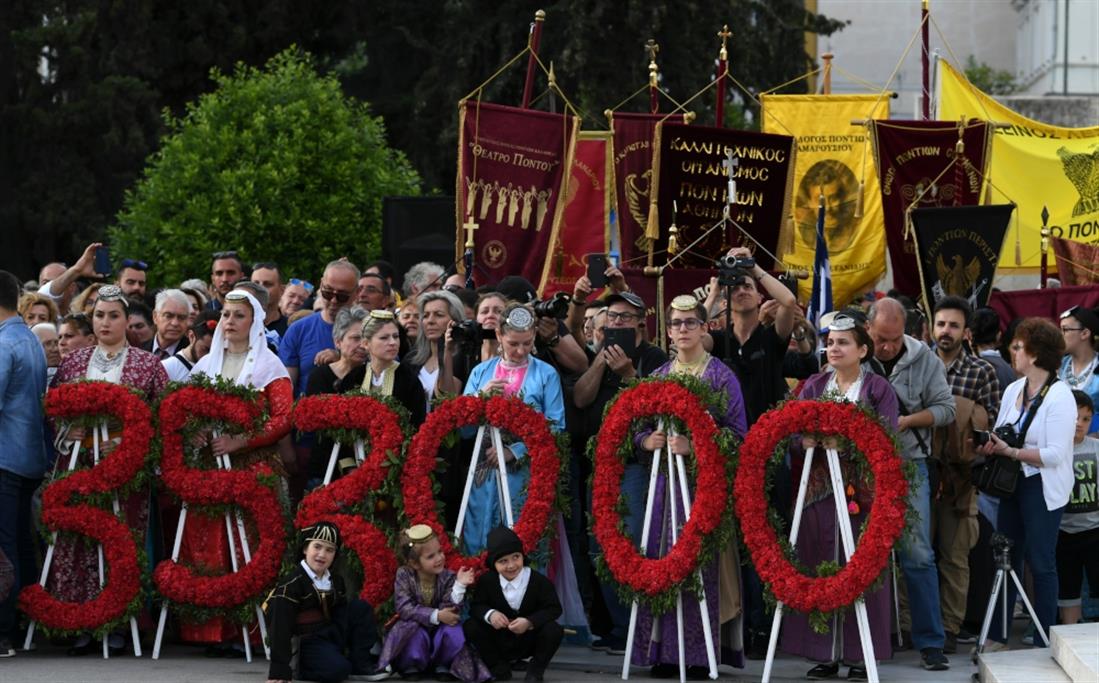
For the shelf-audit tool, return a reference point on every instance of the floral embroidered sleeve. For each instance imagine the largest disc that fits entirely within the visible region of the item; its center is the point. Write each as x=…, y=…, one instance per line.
x=280, y=400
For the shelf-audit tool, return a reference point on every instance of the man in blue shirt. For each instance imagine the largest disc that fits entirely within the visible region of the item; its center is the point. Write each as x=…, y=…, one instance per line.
x=22, y=446
x=313, y=334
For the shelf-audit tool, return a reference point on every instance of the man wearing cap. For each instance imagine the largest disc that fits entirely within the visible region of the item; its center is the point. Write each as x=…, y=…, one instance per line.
x=1080, y=328
x=596, y=387
x=976, y=393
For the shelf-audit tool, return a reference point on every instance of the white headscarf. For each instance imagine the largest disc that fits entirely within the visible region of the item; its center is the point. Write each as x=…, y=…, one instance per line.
x=261, y=366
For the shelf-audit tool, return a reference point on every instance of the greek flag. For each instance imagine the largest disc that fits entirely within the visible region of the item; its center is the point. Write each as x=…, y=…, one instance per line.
x=821, y=301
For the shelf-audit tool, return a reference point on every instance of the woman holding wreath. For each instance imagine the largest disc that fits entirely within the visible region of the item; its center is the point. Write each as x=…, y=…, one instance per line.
x=686, y=325
x=75, y=564
x=238, y=353
x=848, y=378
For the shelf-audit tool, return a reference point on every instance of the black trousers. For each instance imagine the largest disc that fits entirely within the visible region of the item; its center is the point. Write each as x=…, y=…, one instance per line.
x=501, y=645
x=321, y=656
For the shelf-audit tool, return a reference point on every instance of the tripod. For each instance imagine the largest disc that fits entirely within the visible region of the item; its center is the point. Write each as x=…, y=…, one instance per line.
x=1001, y=553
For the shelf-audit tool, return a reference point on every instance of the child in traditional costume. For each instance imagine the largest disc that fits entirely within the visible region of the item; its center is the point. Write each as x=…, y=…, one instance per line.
x=336, y=632
x=427, y=636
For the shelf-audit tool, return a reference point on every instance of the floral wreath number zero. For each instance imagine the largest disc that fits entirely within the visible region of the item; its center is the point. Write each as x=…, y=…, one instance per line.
x=823, y=594
x=509, y=414
x=657, y=580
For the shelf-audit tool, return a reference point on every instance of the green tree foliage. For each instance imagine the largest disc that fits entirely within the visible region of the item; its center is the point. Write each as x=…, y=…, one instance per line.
x=990, y=80
x=423, y=57
x=276, y=163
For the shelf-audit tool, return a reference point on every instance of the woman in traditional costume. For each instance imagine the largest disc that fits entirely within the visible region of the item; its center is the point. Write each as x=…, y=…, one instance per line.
x=75, y=574
x=721, y=578
x=848, y=378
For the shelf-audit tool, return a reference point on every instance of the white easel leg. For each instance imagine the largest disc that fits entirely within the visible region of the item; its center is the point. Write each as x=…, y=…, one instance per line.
x=679, y=598
x=1029, y=608
x=331, y=464
x=175, y=558
x=646, y=526
x=795, y=528
x=49, y=554
x=226, y=464
x=843, y=521
x=703, y=605
x=896, y=597
x=469, y=481
x=498, y=444
x=99, y=546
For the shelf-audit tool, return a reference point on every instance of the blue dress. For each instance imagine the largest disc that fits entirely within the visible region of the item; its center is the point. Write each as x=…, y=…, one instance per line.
x=541, y=389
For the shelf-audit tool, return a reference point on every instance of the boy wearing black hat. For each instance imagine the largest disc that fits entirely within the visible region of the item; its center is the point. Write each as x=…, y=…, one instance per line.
x=312, y=602
x=514, y=611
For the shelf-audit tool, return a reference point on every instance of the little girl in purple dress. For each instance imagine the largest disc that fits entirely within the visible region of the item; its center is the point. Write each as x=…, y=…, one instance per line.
x=427, y=637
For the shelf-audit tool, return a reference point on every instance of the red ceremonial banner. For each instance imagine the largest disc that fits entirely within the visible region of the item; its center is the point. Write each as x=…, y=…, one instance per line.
x=1077, y=264
x=633, y=175
x=585, y=227
x=511, y=176
x=691, y=181
x=1042, y=303
x=911, y=155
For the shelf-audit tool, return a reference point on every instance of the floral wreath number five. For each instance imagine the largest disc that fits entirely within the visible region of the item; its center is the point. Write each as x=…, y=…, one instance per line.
x=823, y=594
x=510, y=415
x=656, y=581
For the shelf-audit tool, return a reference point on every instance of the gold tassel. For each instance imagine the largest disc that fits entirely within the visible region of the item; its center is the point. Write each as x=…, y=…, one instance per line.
x=858, y=202
x=673, y=239
x=652, y=227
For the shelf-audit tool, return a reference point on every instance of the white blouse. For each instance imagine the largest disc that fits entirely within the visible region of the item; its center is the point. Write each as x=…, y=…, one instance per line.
x=1051, y=432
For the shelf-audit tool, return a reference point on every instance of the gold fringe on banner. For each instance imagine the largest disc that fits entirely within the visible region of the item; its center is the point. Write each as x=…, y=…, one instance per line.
x=652, y=227
x=785, y=245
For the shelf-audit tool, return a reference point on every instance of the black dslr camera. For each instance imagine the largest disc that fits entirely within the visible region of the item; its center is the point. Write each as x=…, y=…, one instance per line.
x=557, y=306
x=731, y=269
x=1006, y=433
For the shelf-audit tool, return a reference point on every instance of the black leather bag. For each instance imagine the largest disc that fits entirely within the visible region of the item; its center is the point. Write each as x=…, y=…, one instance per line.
x=999, y=475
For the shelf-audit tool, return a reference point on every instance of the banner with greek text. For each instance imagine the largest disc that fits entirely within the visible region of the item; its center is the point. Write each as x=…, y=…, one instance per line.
x=585, y=226
x=959, y=248
x=914, y=156
x=691, y=184
x=511, y=177
x=1034, y=165
x=633, y=173
x=834, y=159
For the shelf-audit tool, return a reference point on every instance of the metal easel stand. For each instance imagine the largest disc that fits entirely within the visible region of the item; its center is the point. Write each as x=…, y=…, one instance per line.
x=501, y=479
x=843, y=522
x=223, y=462
x=99, y=432
x=676, y=487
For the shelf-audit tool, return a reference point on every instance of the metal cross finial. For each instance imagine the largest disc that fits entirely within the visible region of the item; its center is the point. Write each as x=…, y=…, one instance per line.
x=730, y=164
x=470, y=226
x=724, y=34
x=652, y=47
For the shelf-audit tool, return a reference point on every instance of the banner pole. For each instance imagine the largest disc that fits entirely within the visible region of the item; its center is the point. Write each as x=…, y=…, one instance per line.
x=535, y=40
x=826, y=81
x=652, y=48
x=722, y=70
x=925, y=60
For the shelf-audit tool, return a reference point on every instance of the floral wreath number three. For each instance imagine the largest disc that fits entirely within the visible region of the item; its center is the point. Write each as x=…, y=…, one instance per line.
x=384, y=435
x=886, y=520
x=648, y=579
x=121, y=592
x=510, y=415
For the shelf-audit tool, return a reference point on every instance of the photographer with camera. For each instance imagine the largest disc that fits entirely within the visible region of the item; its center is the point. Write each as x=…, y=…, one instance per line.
x=1034, y=430
x=756, y=353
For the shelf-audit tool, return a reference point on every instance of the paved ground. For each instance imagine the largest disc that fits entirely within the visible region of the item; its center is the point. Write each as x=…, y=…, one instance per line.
x=180, y=664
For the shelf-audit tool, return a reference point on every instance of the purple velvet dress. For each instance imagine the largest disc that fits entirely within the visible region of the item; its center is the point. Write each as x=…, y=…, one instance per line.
x=818, y=537
x=664, y=648
x=414, y=644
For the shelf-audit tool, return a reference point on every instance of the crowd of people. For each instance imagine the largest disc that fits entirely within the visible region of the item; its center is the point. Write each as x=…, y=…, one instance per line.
x=958, y=390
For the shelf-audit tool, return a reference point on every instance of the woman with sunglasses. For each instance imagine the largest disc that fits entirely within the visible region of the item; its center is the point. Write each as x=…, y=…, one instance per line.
x=1079, y=327
x=686, y=326
x=75, y=573
x=239, y=354
x=848, y=378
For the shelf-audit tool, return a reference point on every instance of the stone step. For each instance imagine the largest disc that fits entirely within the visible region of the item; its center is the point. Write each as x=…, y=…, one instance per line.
x=1076, y=649
x=1034, y=665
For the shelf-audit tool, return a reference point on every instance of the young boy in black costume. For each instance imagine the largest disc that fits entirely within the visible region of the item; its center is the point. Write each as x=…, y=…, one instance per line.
x=337, y=632
x=514, y=611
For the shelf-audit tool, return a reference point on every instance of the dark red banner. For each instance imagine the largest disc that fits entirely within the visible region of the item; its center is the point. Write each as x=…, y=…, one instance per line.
x=911, y=155
x=633, y=174
x=511, y=176
x=586, y=223
x=690, y=171
x=1077, y=263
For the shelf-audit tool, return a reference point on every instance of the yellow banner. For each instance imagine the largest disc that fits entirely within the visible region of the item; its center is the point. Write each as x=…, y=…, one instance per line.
x=836, y=156
x=1034, y=165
